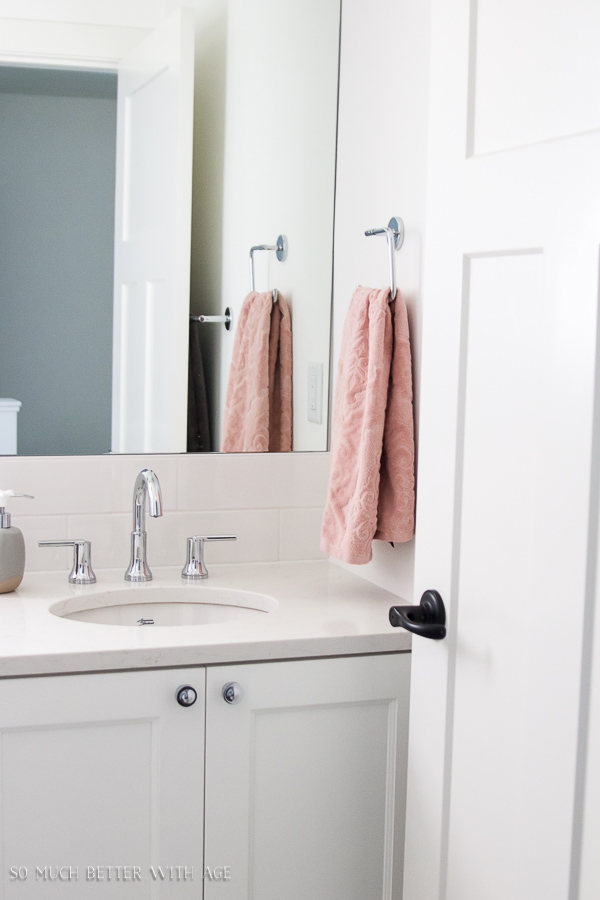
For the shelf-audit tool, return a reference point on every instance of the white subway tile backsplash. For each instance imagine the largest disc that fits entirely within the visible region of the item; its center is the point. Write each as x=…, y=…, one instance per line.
x=59, y=484
x=257, y=533
x=84, y=484
x=44, y=528
x=273, y=502
x=123, y=470
x=110, y=537
x=258, y=480
x=300, y=534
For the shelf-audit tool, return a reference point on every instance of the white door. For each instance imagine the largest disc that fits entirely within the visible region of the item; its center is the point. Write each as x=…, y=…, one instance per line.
x=305, y=779
x=587, y=821
x=152, y=240
x=98, y=771
x=509, y=361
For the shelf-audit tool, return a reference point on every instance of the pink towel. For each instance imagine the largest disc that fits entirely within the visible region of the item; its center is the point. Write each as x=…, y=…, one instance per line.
x=258, y=409
x=371, y=491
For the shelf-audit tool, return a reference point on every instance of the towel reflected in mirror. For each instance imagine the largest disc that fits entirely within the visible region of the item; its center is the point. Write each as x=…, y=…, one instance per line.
x=258, y=409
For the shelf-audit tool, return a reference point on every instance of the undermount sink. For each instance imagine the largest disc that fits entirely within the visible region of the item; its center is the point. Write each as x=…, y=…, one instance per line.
x=157, y=606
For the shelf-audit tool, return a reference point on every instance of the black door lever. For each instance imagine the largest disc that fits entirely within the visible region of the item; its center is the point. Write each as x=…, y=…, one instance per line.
x=428, y=619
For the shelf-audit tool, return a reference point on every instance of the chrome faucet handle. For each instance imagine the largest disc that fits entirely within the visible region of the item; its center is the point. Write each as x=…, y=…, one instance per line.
x=195, y=567
x=82, y=572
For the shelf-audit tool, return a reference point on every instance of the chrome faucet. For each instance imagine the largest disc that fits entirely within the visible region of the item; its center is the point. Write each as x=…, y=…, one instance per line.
x=146, y=486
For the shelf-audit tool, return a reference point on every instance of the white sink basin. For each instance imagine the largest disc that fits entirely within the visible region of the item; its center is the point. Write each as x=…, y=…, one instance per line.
x=148, y=606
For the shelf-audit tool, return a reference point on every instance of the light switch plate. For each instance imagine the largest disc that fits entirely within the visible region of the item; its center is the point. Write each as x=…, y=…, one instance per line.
x=315, y=392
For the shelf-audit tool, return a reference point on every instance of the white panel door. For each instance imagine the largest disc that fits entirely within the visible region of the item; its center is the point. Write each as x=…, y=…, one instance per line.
x=509, y=360
x=101, y=771
x=588, y=826
x=305, y=779
x=152, y=240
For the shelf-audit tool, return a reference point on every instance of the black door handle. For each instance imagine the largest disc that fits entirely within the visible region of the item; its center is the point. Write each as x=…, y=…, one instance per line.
x=428, y=619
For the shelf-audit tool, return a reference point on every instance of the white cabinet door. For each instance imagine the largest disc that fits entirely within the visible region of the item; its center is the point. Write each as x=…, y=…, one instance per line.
x=98, y=771
x=305, y=779
x=507, y=415
x=152, y=240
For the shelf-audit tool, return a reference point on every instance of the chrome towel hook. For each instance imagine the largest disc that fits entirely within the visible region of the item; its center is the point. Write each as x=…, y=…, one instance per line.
x=280, y=248
x=226, y=320
x=394, y=232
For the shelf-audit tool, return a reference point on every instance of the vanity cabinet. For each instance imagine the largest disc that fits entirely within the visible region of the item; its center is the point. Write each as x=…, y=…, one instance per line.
x=97, y=771
x=304, y=777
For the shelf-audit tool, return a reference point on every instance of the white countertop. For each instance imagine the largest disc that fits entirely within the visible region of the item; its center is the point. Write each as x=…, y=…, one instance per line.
x=322, y=610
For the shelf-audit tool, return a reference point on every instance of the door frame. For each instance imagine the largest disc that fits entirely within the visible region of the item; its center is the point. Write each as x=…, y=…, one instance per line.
x=47, y=44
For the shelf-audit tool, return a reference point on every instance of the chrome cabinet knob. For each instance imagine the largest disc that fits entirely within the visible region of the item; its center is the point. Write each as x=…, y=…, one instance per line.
x=82, y=572
x=186, y=695
x=232, y=692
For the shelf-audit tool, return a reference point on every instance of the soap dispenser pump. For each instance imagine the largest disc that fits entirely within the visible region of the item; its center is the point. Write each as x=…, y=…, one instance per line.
x=12, y=547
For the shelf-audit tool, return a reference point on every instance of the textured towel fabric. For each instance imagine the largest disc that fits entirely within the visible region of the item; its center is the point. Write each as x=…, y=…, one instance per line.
x=371, y=492
x=198, y=427
x=280, y=378
x=258, y=409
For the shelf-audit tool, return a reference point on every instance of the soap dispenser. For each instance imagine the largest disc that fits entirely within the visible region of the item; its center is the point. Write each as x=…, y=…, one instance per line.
x=12, y=547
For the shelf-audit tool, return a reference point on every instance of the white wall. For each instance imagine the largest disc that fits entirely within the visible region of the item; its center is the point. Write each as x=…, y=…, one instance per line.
x=281, y=102
x=382, y=173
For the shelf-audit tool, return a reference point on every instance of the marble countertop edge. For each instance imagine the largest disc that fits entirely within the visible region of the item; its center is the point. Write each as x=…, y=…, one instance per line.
x=322, y=610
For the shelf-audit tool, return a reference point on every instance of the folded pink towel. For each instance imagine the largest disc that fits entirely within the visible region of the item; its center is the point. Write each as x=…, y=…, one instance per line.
x=258, y=408
x=371, y=492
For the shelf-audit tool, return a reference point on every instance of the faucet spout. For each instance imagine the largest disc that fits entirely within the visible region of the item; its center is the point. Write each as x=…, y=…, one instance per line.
x=147, y=487
x=146, y=490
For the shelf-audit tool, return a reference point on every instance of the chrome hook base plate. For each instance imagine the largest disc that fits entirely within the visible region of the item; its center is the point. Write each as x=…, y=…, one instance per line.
x=397, y=226
x=282, y=247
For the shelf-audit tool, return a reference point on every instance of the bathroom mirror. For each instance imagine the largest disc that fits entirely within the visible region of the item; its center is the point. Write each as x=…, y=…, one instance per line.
x=87, y=367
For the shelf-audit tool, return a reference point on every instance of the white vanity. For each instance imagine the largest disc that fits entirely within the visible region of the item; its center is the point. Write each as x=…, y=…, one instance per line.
x=287, y=785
